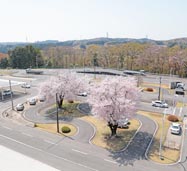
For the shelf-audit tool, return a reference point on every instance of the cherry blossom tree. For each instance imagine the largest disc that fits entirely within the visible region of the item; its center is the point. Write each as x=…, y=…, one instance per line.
x=65, y=85
x=113, y=99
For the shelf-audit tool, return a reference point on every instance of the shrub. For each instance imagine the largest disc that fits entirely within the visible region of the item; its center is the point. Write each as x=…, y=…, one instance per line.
x=70, y=101
x=65, y=129
x=173, y=118
x=149, y=89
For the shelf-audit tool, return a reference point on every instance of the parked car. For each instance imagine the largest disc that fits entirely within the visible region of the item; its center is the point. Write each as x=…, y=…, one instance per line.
x=41, y=98
x=26, y=85
x=32, y=101
x=84, y=94
x=20, y=107
x=6, y=92
x=175, y=128
x=159, y=103
x=179, y=91
x=123, y=123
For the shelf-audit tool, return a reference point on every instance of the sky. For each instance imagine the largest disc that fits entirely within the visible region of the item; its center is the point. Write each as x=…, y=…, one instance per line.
x=39, y=20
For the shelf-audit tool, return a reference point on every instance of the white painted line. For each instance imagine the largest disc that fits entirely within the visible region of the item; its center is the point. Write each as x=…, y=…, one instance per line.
x=50, y=142
x=180, y=112
x=174, y=111
x=79, y=151
x=110, y=161
x=27, y=134
x=6, y=127
x=53, y=155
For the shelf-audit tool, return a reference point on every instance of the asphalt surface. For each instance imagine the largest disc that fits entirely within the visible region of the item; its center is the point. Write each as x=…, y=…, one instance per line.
x=76, y=153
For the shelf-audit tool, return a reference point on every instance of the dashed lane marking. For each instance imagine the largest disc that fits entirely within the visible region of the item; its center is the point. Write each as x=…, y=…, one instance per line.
x=79, y=152
x=110, y=161
x=6, y=127
x=51, y=154
x=50, y=142
x=27, y=134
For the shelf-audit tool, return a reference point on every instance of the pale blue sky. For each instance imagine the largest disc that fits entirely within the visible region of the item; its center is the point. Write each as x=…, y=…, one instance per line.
x=37, y=20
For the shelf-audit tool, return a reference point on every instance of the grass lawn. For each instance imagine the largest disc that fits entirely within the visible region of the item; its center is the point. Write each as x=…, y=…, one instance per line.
x=5, y=72
x=53, y=128
x=170, y=155
x=103, y=133
x=145, y=84
x=70, y=110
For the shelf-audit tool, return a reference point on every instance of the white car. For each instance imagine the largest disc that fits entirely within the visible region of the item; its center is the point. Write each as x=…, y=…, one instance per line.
x=25, y=85
x=123, y=123
x=41, y=98
x=175, y=128
x=7, y=92
x=84, y=94
x=20, y=107
x=159, y=103
x=32, y=101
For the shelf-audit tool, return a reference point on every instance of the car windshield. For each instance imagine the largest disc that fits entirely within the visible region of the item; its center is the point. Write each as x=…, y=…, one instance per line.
x=175, y=127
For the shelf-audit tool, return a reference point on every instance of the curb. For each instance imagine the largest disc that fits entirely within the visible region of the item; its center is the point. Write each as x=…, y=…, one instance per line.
x=162, y=164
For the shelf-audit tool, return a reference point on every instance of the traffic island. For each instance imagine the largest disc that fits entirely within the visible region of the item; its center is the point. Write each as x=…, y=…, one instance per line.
x=103, y=138
x=53, y=128
x=166, y=155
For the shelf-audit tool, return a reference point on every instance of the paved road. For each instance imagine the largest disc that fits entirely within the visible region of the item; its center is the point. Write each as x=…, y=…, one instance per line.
x=65, y=153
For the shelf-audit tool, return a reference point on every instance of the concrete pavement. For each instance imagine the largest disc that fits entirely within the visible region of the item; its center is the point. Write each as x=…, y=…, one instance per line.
x=11, y=160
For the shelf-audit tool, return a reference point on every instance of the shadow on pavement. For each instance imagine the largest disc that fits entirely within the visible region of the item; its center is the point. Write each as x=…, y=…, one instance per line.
x=135, y=151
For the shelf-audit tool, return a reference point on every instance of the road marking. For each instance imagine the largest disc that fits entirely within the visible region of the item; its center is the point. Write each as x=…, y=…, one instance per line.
x=53, y=155
x=50, y=142
x=6, y=127
x=79, y=152
x=27, y=134
x=174, y=111
x=110, y=161
x=180, y=112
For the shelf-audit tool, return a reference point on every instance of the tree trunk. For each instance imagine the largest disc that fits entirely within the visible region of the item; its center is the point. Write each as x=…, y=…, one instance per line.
x=113, y=129
x=60, y=101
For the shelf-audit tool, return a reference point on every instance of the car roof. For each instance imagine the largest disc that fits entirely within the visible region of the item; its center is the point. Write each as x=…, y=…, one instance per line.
x=175, y=124
x=19, y=104
x=159, y=101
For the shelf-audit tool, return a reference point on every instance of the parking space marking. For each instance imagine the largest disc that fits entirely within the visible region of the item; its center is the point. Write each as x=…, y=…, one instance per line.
x=27, y=134
x=50, y=142
x=110, y=161
x=6, y=127
x=79, y=151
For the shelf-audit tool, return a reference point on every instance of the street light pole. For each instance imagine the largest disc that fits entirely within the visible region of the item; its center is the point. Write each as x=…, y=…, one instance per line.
x=11, y=94
x=162, y=134
x=159, y=89
x=57, y=119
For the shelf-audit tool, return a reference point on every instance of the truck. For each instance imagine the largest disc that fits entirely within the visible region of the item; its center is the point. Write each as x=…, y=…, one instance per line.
x=176, y=84
x=31, y=71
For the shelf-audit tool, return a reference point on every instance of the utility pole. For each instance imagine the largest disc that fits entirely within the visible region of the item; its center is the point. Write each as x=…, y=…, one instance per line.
x=11, y=95
x=162, y=134
x=159, y=88
x=57, y=119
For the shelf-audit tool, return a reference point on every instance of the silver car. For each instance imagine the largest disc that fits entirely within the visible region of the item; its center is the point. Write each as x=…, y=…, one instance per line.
x=7, y=92
x=159, y=103
x=20, y=107
x=175, y=128
x=25, y=85
x=123, y=123
x=32, y=101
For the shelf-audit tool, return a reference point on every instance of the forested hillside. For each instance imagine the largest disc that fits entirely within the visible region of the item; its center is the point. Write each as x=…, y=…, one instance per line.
x=164, y=57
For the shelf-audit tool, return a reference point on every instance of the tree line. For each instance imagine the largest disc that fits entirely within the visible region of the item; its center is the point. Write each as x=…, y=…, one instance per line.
x=22, y=57
x=130, y=56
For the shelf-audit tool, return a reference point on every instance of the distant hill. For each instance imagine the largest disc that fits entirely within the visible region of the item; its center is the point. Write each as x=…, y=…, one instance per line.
x=5, y=47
